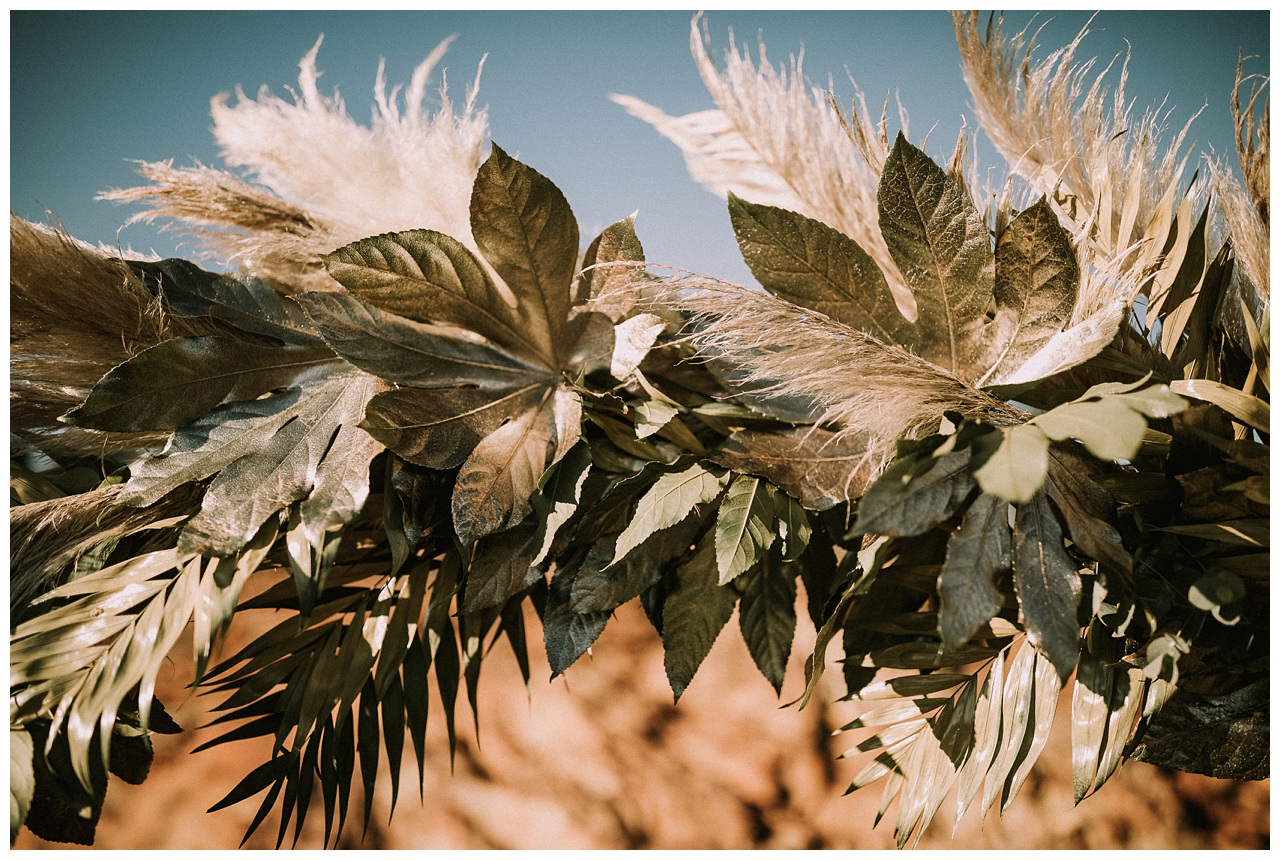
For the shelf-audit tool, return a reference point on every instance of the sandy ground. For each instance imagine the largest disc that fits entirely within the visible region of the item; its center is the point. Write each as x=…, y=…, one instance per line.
x=601, y=759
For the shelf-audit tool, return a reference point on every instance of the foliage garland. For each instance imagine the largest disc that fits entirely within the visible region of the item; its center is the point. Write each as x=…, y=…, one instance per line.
x=1001, y=454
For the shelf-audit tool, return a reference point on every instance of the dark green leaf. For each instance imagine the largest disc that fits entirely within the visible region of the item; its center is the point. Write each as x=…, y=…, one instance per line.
x=810, y=464
x=768, y=617
x=600, y=586
x=526, y=230
x=977, y=551
x=1225, y=736
x=943, y=249
x=744, y=526
x=416, y=694
x=568, y=634
x=693, y=616
x=175, y=382
x=915, y=493
x=1086, y=507
x=809, y=264
x=1036, y=279
x=501, y=566
x=1048, y=584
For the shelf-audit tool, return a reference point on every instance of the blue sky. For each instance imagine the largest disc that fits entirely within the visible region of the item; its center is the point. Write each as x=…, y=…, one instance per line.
x=91, y=91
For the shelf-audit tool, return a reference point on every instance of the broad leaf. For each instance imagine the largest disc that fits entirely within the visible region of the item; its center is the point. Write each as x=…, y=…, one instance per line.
x=1036, y=278
x=261, y=481
x=671, y=498
x=977, y=551
x=526, y=230
x=943, y=249
x=767, y=617
x=568, y=634
x=693, y=616
x=610, y=284
x=1086, y=508
x=22, y=779
x=809, y=264
x=1048, y=584
x=1224, y=736
x=914, y=494
x=745, y=526
x=481, y=368
x=176, y=382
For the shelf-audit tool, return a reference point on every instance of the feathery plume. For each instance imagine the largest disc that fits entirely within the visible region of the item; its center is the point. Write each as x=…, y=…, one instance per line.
x=1245, y=209
x=1058, y=129
x=774, y=140
x=74, y=313
x=326, y=179
x=878, y=391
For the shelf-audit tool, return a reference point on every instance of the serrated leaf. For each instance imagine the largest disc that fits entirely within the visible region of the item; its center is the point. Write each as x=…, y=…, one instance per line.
x=793, y=524
x=177, y=381
x=1048, y=584
x=768, y=617
x=1036, y=279
x=260, y=482
x=942, y=247
x=811, y=464
x=428, y=277
x=440, y=427
x=245, y=302
x=612, y=284
x=600, y=586
x=693, y=616
x=671, y=498
x=744, y=526
x=526, y=230
x=567, y=633
x=914, y=494
x=809, y=264
x=496, y=481
x=976, y=552
x=502, y=565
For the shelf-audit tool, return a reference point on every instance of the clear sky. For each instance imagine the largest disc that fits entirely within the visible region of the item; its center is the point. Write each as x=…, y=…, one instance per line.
x=89, y=91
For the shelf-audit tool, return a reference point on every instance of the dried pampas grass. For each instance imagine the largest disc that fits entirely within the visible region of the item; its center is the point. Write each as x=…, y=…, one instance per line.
x=776, y=140
x=74, y=313
x=874, y=390
x=326, y=179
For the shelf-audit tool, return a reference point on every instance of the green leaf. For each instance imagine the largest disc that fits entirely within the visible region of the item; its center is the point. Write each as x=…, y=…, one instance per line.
x=811, y=464
x=1048, y=584
x=22, y=779
x=1036, y=280
x=744, y=527
x=1224, y=736
x=693, y=616
x=600, y=586
x=1109, y=429
x=502, y=565
x=943, y=249
x=177, y=381
x=260, y=482
x=1086, y=507
x=671, y=498
x=809, y=264
x=915, y=493
x=768, y=617
x=524, y=227
x=567, y=633
x=1015, y=461
x=977, y=551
